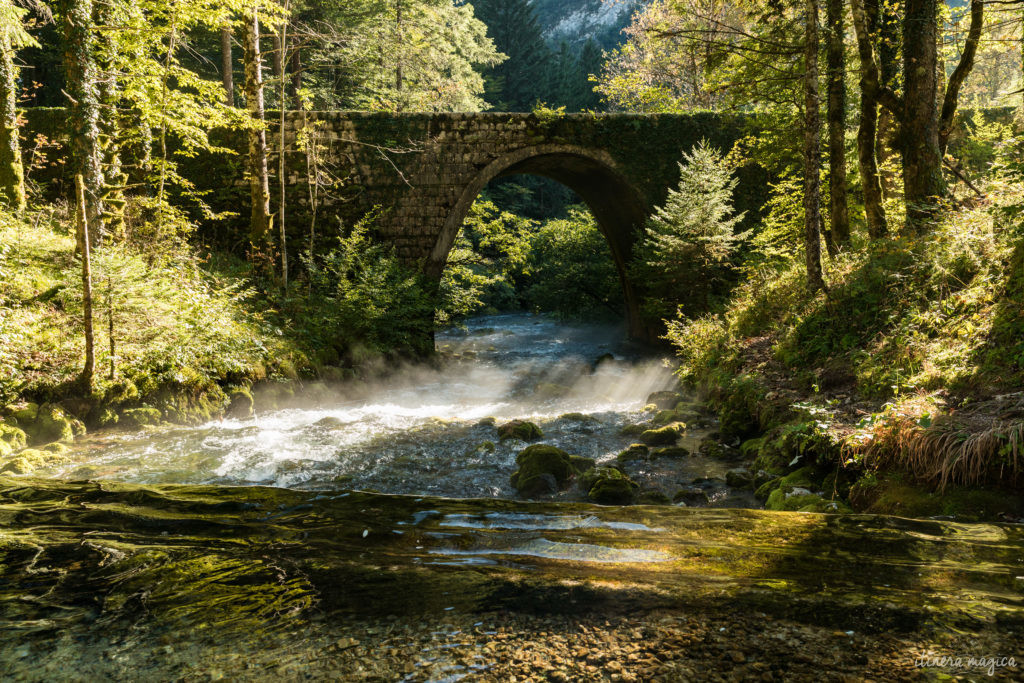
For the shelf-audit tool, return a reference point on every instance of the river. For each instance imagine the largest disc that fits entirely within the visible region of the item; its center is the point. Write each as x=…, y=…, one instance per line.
x=368, y=532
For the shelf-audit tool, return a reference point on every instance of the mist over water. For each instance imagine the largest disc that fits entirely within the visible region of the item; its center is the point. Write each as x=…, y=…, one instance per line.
x=424, y=429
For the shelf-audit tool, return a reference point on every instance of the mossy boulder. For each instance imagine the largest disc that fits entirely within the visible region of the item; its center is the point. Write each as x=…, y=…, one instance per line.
x=633, y=430
x=520, y=430
x=739, y=478
x=663, y=436
x=542, y=464
x=240, y=403
x=798, y=499
x=609, y=486
x=30, y=460
x=11, y=439
x=135, y=418
x=664, y=400
x=47, y=423
x=692, y=496
x=710, y=448
x=800, y=478
x=577, y=417
x=56, y=448
x=664, y=417
x=637, y=451
x=670, y=452
x=651, y=497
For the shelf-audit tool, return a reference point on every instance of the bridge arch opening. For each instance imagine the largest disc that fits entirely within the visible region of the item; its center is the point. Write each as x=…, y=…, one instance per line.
x=617, y=207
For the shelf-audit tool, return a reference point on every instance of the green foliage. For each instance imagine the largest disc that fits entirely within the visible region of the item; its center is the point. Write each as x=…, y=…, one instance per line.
x=687, y=249
x=362, y=295
x=571, y=270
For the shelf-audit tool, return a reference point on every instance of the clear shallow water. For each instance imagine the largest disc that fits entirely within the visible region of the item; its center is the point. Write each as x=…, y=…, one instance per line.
x=425, y=430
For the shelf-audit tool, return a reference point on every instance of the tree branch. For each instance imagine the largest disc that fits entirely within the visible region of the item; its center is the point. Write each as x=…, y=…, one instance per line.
x=949, y=102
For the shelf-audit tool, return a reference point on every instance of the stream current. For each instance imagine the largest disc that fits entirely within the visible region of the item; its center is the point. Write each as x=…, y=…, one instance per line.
x=429, y=430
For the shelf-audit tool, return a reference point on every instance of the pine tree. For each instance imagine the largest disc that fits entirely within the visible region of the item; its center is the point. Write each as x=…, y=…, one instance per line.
x=690, y=239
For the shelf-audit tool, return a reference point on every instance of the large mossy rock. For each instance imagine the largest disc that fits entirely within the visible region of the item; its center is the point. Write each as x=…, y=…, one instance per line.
x=664, y=436
x=139, y=417
x=520, y=430
x=31, y=459
x=11, y=439
x=664, y=400
x=798, y=499
x=636, y=451
x=240, y=403
x=47, y=423
x=609, y=486
x=546, y=469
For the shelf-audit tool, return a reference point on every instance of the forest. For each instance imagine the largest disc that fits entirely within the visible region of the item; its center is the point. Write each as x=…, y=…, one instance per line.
x=294, y=273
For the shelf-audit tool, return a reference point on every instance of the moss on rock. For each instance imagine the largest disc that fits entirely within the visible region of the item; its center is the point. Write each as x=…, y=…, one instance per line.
x=664, y=400
x=521, y=430
x=541, y=464
x=637, y=451
x=11, y=439
x=663, y=436
x=140, y=417
x=609, y=486
x=670, y=452
x=240, y=403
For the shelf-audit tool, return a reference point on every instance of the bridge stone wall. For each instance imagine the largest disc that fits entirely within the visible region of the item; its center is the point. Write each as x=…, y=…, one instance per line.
x=423, y=172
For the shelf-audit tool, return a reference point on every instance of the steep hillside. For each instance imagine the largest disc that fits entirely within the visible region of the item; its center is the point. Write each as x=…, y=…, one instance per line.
x=576, y=21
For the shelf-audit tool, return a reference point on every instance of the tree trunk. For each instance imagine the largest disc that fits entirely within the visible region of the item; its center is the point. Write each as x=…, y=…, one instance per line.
x=296, y=82
x=114, y=176
x=84, y=115
x=227, y=66
x=923, y=185
x=812, y=151
x=889, y=40
x=259, y=183
x=865, y=20
x=281, y=170
x=840, y=231
x=82, y=224
x=12, y=173
x=963, y=68
x=399, y=71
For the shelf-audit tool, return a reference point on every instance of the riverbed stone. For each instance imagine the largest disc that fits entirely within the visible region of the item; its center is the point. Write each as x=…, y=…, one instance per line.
x=739, y=477
x=521, y=430
x=633, y=430
x=541, y=459
x=652, y=497
x=609, y=486
x=47, y=423
x=663, y=436
x=664, y=400
x=11, y=439
x=670, y=452
x=636, y=451
x=691, y=495
x=240, y=403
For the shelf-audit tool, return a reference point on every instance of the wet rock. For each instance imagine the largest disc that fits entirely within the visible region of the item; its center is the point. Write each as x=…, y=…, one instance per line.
x=691, y=495
x=710, y=448
x=664, y=400
x=651, y=497
x=636, y=451
x=540, y=485
x=581, y=464
x=140, y=417
x=541, y=459
x=603, y=358
x=739, y=477
x=670, y=452
x=520, y=430
x=799, y=499
x=609, y=486
x=240, y=403
x=484, y=447
x=664, y=436
x=11, y=439
x=47, y=423
x=487, y=422
x=330, y=423
x=577, y=417
x=632, y=430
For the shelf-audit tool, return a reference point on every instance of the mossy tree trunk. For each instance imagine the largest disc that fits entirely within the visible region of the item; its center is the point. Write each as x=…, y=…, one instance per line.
x=812, y=150
x=81, y=78
x=836, y=67
x=865, y=20
x=12, y=173
x=227, y=66
x=259, y=183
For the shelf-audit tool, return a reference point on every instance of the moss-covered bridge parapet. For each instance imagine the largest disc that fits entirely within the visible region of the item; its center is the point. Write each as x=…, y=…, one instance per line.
x=424, y=171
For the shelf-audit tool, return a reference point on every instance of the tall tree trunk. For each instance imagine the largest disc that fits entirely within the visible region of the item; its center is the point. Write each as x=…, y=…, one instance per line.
x=963, y=68
x=840, y=231
x=296, y=82
x=227, y=66
x=259, y=183
x=12, y=173
x=281, y=170
x=889, y=41
x=812, y=151
x=81, y=84
x=865, y=19
x=923, y=184
x=115, y=179
x=82, y=233
x=399, y=67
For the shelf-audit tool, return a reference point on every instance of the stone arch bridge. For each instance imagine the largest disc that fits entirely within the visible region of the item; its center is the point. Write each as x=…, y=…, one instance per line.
x=425, y=171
